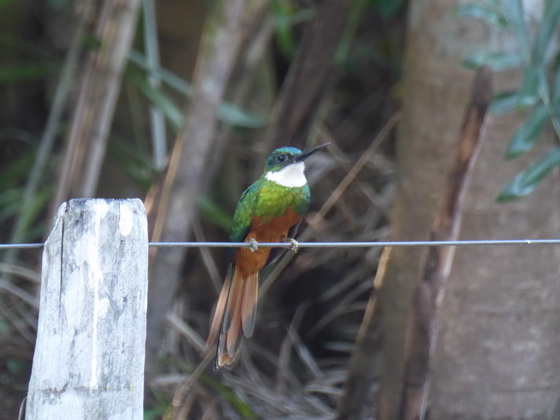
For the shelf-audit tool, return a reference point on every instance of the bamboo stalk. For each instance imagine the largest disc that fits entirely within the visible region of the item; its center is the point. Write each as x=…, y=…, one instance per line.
x=91, y=122
x=189, y=163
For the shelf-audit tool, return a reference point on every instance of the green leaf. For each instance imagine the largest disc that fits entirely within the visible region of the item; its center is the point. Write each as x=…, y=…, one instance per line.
x=543, y=87
x=517, y=19
x=59, y=4
x=530, y=85
x=285, y=17
x=211, y=212
x=548, y=28
x=527, y=96
x=227, y=112
x=388, y=8
x=34, y=208
x=556, y=82
x=346, y=41
x=526, y=181
x=16, y=366
x=506, y=102
x=528, y=132
x=134, y=160
x=10, y=206
x=489, y=15
x=16, y=170
x=174, y=81
x=160, y=406
x=4, y=4
x=22, y=72
x=228, y=393
x=233, y=115
x=10, y=200
x=496, y=60
x=160, y=101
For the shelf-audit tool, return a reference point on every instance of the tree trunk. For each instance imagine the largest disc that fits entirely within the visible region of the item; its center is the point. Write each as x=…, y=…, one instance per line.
x=497, y=349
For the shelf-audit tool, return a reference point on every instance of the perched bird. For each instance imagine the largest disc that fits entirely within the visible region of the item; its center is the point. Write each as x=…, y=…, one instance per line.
x=270, y=210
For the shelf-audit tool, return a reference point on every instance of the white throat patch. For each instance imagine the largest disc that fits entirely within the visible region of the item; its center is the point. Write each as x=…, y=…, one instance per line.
x=291, y=176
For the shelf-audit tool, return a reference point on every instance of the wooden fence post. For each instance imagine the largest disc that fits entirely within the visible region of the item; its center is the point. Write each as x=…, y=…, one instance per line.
x=89, y=356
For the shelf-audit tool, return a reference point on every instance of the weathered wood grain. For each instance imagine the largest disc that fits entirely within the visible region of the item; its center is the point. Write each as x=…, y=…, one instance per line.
x=89, y=356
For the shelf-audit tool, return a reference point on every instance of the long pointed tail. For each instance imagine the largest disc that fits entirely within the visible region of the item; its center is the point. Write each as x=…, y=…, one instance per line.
x=236, y=309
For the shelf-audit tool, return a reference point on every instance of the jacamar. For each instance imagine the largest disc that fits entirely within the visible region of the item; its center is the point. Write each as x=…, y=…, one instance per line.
x=270, y=210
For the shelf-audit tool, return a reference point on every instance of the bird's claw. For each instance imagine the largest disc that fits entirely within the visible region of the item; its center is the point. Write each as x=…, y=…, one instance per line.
x=253, y=244
x=295, y=245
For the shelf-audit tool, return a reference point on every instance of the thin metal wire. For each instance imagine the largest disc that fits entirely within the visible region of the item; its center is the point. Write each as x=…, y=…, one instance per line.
x=20, y=246
x=289, y=245
x=358, y=244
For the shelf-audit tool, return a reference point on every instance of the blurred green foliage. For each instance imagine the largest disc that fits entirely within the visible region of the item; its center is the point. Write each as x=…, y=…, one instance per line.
x=159, y=406
x=388, y=8
x=286, y=16
x=539, y=93
x=211, y=212
x=228, y=393
x=12, y=177
x=227, y=112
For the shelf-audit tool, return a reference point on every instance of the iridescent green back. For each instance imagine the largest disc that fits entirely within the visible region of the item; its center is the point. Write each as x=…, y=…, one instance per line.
x=266, y=199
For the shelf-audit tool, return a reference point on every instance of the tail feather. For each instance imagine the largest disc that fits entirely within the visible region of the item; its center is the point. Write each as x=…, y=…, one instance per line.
x=231, y=326
x=215, y=328
x=249, y=304
x=238, y=318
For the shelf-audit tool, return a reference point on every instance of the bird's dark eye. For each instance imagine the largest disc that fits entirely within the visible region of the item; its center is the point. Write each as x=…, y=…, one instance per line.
x=281, y=158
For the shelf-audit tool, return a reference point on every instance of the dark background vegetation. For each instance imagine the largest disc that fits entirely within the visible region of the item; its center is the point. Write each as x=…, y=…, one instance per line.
x=356, y=102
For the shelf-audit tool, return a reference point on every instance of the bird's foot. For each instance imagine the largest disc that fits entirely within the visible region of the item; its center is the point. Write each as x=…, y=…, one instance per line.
x=254, y=245
x=295, y=245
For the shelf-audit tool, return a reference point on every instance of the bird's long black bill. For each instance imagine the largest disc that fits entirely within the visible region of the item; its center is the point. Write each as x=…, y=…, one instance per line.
x=306, y=153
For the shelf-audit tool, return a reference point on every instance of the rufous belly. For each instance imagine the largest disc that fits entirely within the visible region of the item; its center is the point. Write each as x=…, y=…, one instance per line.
x=274, y=230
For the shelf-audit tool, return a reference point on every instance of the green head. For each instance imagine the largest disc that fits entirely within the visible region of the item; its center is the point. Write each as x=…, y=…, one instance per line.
x=285, y=156
x=285, y=166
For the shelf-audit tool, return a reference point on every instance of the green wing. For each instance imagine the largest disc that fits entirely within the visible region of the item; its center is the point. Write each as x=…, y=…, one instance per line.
x=245, y=209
